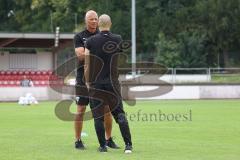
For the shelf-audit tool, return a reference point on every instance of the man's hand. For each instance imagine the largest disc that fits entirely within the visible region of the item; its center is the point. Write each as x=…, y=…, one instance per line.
x=80, y=53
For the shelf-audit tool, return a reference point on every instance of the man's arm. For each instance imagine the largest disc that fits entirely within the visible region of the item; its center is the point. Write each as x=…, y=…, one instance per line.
x=79, y=47
x=80, y=53
x=86, y=65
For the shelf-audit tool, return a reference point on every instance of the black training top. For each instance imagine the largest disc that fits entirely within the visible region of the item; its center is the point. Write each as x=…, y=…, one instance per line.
x=79, y=41
x=103, y=48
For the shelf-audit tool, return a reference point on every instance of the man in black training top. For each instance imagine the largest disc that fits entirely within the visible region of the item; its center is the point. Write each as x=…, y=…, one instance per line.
x=101, y=73
x=91, y=20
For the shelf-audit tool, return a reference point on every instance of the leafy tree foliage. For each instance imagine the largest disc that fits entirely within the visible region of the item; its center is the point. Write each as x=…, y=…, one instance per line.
x=177, y=33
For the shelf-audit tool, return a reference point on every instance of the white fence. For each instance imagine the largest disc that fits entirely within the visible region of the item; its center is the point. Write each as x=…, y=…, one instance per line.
x=177, y=92
x=182, y=75
x=187, y=83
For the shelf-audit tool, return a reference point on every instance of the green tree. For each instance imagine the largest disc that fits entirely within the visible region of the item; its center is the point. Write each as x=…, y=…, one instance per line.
x=168, y=51
x=218, y=18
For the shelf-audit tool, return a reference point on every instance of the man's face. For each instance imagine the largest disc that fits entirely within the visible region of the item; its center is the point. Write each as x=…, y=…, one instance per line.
x=92, y=21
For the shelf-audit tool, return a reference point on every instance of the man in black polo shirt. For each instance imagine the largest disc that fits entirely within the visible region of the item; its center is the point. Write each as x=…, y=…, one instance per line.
x=82, y=100
x=101, y=73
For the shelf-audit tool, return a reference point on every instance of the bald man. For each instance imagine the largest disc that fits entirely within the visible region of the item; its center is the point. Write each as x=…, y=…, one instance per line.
x=82, y=99
x=101, y=62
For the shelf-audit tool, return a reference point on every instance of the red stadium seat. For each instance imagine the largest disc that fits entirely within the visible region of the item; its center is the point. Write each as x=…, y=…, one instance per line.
x=8, y=72
x=46, y=77
x=7, y=78
x=2, y=83
x=38, y=73
x=14, y=72
x=2, y=72
x=2, y=77
x=12, y=83
x=18, y=77
x=17, y=83
x=12, y=77
x=40, y=77
x=49, y=72
x=5, y=83
x=53, y=77
x=42, y=83
x=32, y=72
x=34, y=78
x=20, y=72
x=26, y=72
x=37, y=83
x=44, y=72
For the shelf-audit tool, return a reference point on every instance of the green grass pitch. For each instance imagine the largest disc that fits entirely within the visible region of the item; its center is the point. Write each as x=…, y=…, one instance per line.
x=203, y=130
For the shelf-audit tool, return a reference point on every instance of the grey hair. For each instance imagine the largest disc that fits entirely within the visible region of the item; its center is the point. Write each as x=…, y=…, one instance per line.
x=104, y=21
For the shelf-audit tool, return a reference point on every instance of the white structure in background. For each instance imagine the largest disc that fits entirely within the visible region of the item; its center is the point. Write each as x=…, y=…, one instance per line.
x=27, y=100
x=71, y=82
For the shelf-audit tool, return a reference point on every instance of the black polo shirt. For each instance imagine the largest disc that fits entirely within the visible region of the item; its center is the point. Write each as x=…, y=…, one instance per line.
x=104, y=49
x=79, y=41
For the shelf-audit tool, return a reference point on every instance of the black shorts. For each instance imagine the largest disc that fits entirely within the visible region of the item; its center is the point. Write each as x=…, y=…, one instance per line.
x=82, y=96
x=105, y=94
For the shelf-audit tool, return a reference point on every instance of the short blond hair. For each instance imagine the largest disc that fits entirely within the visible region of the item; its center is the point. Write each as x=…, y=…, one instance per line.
x=104, y=22
x=90, y=12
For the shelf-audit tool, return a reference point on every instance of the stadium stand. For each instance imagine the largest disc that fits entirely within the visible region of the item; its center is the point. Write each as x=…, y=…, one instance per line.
x=12, y=78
